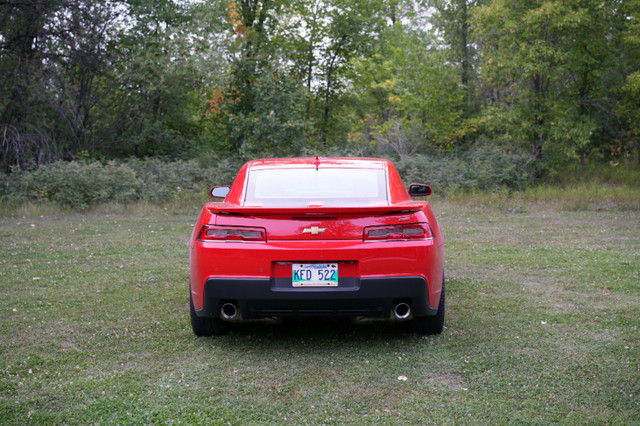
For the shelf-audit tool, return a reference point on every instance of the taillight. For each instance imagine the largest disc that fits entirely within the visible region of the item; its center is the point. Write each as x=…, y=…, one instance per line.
x=413, y=231
x=232, y=233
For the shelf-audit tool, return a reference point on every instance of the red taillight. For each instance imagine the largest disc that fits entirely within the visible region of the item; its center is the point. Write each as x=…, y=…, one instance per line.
x=413, y=231
x=232, y=233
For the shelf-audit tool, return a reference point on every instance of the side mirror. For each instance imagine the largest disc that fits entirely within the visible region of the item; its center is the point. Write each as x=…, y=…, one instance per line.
x=419, y=190
x=220, y=191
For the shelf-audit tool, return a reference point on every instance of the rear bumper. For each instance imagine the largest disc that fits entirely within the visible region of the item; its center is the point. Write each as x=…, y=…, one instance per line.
x=368, y=297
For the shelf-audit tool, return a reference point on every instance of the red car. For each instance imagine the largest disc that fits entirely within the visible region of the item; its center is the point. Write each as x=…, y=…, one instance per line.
x=317, y=237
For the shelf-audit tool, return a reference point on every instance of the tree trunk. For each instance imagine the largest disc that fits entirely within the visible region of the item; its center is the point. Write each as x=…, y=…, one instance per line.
x=464, y=48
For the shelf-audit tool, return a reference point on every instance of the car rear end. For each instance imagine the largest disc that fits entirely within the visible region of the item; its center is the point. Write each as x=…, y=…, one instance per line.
x=294, y=239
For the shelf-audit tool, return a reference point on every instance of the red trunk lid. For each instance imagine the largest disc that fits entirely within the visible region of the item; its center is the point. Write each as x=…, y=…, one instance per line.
x=316, y=226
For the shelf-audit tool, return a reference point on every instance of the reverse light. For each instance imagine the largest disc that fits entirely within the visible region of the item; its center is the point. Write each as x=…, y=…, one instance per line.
x=232, y=233
x=409, y=231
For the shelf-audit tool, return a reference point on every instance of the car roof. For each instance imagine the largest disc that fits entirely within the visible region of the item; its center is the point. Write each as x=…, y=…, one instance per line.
x=304, y=162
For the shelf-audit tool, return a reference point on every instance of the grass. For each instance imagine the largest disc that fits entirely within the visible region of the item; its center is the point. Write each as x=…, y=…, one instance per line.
x=542, y=326
x=580, y=196
x=590, y=187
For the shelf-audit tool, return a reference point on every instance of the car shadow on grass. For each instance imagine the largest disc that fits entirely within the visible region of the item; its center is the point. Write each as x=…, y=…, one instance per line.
x=292, y=331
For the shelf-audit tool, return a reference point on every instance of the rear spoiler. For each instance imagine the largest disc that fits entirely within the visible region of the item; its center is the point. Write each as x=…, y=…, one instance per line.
x=223, y=208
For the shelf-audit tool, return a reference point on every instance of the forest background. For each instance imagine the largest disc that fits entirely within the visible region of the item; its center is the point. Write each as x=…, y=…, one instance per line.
x=134, y=99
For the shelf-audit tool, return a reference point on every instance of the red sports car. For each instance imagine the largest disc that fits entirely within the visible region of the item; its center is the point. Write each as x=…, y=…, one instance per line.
x=317, y=237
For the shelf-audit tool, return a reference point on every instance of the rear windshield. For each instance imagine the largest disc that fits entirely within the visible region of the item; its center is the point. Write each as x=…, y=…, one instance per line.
x=326, y=187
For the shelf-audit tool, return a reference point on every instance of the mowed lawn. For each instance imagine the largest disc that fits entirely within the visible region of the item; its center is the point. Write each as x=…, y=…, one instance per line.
x=543, y=316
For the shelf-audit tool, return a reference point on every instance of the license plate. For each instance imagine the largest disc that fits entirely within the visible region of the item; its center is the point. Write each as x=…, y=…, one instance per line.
x=315, y=274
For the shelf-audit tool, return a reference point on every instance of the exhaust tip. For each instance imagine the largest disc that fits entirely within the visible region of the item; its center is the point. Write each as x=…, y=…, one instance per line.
x=228, y=311
x=402, y=310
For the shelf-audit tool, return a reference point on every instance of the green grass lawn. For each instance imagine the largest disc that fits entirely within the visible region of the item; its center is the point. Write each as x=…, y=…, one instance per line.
x=542, y=326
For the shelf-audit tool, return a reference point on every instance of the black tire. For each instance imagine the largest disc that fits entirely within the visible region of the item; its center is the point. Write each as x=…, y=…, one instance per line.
x=206, y=326
x=433, y=324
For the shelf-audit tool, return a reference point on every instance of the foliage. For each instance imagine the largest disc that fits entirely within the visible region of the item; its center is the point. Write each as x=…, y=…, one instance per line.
x=480, y=169
x=453, y=22
x=81, y=185
x=54, y=53
x=629, y=107
x=548, y=64
x=110, y=78
x=406, y=98
x=276, y=124
x=131, y=78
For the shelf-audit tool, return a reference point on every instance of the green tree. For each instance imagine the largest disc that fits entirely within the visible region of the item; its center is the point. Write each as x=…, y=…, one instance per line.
x=84, y=54
x=543, y=61
x=253, y=26
x=629, y=107
x=323, y=39
x=56, y=55
x=276, y=125
x=107, y=78
x=24, y=31
x=452, y=19
x=168, y=56
x=407, y=98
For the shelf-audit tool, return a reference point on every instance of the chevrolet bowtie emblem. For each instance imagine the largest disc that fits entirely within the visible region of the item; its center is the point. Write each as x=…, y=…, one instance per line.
x=314, y=230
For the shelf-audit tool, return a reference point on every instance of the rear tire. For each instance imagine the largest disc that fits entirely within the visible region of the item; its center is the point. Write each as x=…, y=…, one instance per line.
x=206, y=326
x=433, y=324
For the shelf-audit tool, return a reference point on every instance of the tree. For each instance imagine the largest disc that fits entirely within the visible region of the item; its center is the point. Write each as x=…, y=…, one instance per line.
x=253, y=24
x=353, y=26
x=323, y=40
x=407, y=97
x=629, y=54
x=276, y=125
x=544, y=60
x=56, y=53
x=168, y=57
x=452, y=19
x=104, y=78
x=24, y=29
x=82, y=54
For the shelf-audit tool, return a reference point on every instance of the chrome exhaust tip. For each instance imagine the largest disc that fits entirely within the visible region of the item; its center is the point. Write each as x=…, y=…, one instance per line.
x=402, y=310
x=229, y=311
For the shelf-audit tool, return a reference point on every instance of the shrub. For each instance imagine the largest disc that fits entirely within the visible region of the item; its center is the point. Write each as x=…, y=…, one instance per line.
x=163, y=180
x=81, y=185
x=482, y=168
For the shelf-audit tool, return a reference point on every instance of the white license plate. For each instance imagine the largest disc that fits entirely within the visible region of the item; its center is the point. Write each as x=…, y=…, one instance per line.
x=315, y=274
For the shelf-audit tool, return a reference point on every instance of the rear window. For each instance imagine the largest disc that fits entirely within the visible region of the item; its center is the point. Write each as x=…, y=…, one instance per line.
x=326, y=187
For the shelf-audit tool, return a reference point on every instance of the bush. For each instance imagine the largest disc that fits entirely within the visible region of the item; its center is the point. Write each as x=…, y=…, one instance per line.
x=164, y=180
x=81, y=185
x=482, y=168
